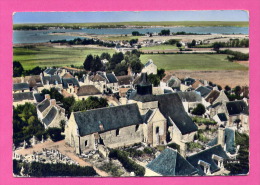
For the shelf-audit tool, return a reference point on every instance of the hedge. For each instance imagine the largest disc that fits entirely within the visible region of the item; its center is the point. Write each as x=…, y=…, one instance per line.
x=128, y=164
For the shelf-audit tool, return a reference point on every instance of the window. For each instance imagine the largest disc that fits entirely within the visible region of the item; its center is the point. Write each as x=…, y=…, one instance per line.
x=136, y=127
x=86, y=143
x=117, y=132
x=157, y=130
x=83, y=99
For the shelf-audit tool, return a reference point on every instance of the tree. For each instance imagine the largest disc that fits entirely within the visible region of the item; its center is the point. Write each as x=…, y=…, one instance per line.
x=161, y=73
x=121, y=69
x=193, y=43
x=88, y=62
x=17, y=69
x=178, y=44
x=133, y=41
x=154, y=79
x=90, y=103
x=67, y=104
x=105, y=56
x=96, y=64
x=55, y=134
x=164, y=32
x=135, y=33
x=237, y=90
x=136, y=66
x=54, y=94
x=116, y=59
x=199, y=110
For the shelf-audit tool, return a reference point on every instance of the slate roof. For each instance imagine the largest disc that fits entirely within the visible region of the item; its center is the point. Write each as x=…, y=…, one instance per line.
x=229, y=141
x=148, y=63
x=52, y=79
x=222, y=116
x=147, y=115
x=22, y=96
x=38, y=97
x=174, y=82
x=204, y=91
x=111, y=78
x=216, y=104
x=171, y=107
x=50, y=116
x=190, y=96
x=213, y=95
x=87, y=90
x=67, y=81
x=124, y=80
x=237, y=107
x=21, y=86
x=206, y=156
x=43, y=105
x=111, y=118
x=50, y=71
x=171, y=163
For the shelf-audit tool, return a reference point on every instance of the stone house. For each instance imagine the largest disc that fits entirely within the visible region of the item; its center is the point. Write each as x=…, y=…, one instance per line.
x=190, y=100
x=104, y=82
x=238, y=112
x=22, y=98
x=49, y=113
x=150, y=68
x=69, y=83
x=209, y=161
x=215, y=96
x=186, y=84
x=170, y=81
x=170, y=163
x=34, y=81
x=21, y=87
x=111, y=126
x=53, y=81
x=85, y=91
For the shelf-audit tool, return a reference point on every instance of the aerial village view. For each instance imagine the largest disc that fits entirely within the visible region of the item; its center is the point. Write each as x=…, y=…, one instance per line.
x=130, y=94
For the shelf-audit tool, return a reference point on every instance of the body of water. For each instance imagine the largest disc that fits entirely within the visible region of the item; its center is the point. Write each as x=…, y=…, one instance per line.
x=39, y=36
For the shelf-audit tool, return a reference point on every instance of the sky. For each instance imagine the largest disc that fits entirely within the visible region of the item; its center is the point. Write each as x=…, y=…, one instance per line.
x=127, y=16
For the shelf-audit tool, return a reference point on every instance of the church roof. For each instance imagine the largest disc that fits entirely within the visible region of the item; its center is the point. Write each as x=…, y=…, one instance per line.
x=206, y=156
x=171, y=163
x=110, y=118
x=22, y=96
x=237, y=107
x=171, y=107
x=190, y=96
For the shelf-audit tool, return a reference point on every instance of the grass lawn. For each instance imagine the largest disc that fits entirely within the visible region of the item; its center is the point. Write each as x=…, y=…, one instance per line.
x=119, y=38
x=44, y=56
x=192, y=62
x=160, y=47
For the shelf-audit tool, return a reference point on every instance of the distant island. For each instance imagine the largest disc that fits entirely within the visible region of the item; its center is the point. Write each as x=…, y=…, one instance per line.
x=50, y=26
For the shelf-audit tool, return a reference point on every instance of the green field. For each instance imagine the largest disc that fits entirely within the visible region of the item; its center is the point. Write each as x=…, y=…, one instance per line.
x=192, y=62
x=139, y=24
x=44, y=56
x=160, y=47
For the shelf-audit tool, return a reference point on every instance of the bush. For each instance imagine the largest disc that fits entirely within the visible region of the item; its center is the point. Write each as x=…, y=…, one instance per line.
x=191, y=146
x=174, y=146
x=128, y=164
x=148, y=150
x=55, y=134
x=199, y=110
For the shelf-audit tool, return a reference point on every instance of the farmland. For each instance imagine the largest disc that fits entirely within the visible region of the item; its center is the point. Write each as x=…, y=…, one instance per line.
x=44, y=56
x=192, y=62
x=160, y=47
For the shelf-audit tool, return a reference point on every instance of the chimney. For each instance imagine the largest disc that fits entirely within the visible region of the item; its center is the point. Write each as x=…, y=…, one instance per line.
x=22, y=79
x=47, y=96
x=77, y=78
x=221, y=135
x=53, y=102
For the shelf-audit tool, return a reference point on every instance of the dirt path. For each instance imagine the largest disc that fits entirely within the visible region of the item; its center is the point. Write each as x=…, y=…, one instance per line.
x=231, y=78
x=64, y=149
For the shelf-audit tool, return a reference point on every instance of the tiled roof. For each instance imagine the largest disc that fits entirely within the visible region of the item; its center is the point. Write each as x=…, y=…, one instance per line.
x=190, y=96
x=43, y=105
x=67, y=75
x=124, y=80
x=206, y=156
x=171, y=163
x=237, y=107
x=50, y=116
x=213, y=95
x=21, y=86
x=204, y=91
x=87, y=90
x=55, y=79
x=22, y=96
x=110, y=118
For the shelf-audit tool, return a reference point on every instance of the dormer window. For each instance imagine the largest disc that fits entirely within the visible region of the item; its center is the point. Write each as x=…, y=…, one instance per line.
x=205, y=167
